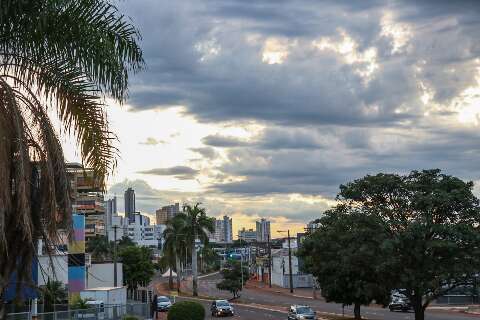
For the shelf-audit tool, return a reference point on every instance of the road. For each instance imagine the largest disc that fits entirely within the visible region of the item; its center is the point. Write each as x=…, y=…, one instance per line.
x=241, y=312
x=207, y=287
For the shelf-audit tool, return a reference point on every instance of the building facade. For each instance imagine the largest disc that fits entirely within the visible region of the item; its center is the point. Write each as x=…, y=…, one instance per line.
x=143, y=234
x=129, y=199
x=249, y=235
x=281, y=271
x=87, y=199
x=165, y=213
x=110, y=210
x=223, y=231
x=263, y=230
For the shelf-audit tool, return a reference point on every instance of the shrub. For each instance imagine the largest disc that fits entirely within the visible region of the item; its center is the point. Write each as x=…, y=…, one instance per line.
x=186, y=310
x=129, y=317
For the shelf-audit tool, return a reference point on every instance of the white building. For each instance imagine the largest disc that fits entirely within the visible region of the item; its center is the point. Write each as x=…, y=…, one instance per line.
x=144, y=234
x=249, y=235
x=102, y=275
x=223, y=231
x=263, y=230
x=281, y=271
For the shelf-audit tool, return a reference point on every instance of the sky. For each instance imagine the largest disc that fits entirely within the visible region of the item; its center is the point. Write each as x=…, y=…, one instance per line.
x=263, y=108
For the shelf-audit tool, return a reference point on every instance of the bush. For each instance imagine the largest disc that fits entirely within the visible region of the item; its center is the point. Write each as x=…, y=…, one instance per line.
x=186, y=310
x=129, y=317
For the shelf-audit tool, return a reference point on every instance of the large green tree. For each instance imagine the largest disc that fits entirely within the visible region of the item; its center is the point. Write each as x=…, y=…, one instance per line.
x=138, y=268
x=433, y=220
x=232, y=277
x=175, y=243
x=63, y=57
x=197, y=227
x=346, y=255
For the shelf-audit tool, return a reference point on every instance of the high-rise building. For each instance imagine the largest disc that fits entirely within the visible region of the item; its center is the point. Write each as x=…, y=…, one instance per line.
x=263, y=230
x=87, y=199
x=129, y=198
x=110, y=210
x=227, y=230
x=223, y=231
x=249, y=235
x=165, y=213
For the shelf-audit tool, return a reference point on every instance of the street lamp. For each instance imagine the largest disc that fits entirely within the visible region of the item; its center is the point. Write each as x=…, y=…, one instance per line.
x=289, y=259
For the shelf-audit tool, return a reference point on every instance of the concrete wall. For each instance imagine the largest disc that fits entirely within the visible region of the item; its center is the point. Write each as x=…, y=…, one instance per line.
x=55, y=268
x=101, y=275
x=281, y=278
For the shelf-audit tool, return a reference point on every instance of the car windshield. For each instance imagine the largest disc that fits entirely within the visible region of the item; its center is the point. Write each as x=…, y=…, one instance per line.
x=163, y=299
x=223, y=304
x=304, y=310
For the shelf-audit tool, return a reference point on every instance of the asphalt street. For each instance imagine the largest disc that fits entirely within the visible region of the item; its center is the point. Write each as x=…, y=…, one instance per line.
x=207, y=287
x=241, y=312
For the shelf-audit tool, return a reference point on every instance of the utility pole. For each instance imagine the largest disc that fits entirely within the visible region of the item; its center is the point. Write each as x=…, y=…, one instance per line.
x=290, y=262
x=269, y=261
x=115, y=284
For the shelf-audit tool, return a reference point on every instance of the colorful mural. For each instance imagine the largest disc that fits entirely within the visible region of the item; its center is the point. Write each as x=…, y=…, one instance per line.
x=76, y=258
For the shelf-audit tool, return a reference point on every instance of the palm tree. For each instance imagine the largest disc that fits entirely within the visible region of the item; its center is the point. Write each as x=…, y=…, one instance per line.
x=62, y=57
x=99, y=248
x=53, y=293
x=174, y=242
x=197, y=227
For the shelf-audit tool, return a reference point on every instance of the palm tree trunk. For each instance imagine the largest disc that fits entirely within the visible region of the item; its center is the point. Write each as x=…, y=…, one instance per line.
x=170, y=279
x=194, y=271
x=177, y=266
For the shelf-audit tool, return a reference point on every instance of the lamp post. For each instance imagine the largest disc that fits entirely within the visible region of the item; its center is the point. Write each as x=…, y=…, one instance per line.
x=115, y=284
x=269, y=261
x=289, y=260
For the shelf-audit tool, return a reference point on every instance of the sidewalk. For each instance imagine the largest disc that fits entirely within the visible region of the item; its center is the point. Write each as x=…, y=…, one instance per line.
x=305, y=293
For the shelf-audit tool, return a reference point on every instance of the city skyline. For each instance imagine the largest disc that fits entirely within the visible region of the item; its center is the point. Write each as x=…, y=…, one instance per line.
x=282, y=118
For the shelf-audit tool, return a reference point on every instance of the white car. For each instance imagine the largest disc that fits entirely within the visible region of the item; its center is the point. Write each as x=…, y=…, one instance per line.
x=163, y=303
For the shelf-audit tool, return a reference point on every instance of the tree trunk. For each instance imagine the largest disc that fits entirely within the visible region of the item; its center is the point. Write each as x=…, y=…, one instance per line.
x=418, y=307
x=356, y=311
x=170, y=279
x=177, y=266
x=194, y=271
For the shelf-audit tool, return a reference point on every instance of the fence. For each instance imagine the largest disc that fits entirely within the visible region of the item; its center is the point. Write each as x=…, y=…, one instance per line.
x=111, y=312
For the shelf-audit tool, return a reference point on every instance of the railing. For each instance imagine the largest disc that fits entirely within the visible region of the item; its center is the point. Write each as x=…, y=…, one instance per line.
x=111, y=312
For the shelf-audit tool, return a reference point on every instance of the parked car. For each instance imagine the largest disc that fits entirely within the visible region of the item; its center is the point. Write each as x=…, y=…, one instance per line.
x=301, y=313
x=163, y=303
x=400, y=304
x=221, y=308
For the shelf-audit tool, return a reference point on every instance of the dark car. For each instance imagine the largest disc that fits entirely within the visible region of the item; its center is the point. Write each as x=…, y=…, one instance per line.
x=221, y=308
x=301, y=313
x=400, y=305
x=163, y=303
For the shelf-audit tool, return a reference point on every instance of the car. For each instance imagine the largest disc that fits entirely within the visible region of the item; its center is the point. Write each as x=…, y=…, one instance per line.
x=297, y=312
x=163, y=303
x=400, y=304
x=221, y=308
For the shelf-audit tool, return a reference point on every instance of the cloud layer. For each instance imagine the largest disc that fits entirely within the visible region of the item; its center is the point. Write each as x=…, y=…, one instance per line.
x=322, y=93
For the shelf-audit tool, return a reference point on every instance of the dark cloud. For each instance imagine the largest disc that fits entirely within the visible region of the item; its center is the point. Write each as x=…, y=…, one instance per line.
x=205, y=152
x=224, y=141
x=179, y=172
x=326, y=122
x=320, y=172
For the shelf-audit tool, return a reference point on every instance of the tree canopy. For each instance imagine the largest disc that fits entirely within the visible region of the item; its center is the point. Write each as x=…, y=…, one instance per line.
x=232, y=277
x=346, y=256
x=433, y=220
x=138, y=268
